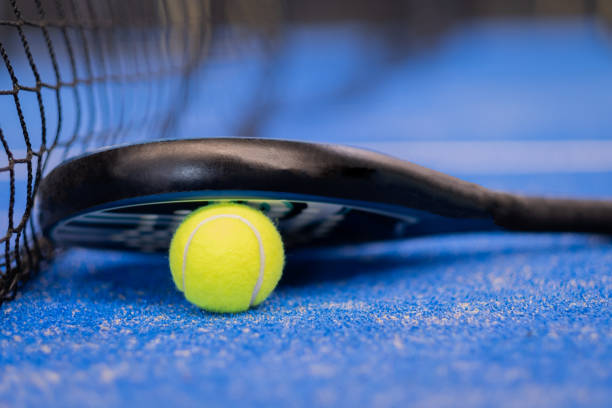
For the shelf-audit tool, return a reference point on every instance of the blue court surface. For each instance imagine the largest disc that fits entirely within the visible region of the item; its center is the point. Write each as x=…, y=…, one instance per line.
x=472, y=320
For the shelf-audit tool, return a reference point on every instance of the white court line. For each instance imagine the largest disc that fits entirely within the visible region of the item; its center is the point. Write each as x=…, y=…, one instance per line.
x=503, y=157
x=473, y=157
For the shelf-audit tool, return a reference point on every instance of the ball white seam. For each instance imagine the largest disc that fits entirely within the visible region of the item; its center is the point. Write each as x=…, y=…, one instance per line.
x=262, y=255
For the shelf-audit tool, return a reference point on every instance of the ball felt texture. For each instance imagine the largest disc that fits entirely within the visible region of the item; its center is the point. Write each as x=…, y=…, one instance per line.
x=226, y=257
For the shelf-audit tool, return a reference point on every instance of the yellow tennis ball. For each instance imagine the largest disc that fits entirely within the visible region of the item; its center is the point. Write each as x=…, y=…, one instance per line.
x=226, y=257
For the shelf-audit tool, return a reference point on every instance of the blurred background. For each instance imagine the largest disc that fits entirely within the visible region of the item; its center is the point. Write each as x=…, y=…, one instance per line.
x=398, y=70
x=331, y=71
x=479, y=89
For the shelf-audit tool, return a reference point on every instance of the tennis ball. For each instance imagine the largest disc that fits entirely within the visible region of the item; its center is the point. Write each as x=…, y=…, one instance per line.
x=226, y=257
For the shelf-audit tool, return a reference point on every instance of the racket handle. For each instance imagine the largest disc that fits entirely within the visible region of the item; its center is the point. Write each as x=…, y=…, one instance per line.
x=516, y=212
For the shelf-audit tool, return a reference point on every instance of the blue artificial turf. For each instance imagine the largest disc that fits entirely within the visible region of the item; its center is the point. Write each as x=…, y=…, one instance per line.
x=485, y=319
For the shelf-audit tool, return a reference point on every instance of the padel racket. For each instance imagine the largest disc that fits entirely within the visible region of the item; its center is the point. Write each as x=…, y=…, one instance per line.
x=133, y=197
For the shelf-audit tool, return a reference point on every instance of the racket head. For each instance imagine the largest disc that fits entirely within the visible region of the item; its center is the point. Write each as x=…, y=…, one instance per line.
x=134, y=197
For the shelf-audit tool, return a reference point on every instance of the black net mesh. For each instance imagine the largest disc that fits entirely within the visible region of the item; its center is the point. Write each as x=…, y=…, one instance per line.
x=78, y=74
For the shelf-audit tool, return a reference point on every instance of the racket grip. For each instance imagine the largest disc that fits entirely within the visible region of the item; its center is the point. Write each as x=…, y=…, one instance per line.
x=521, y=213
